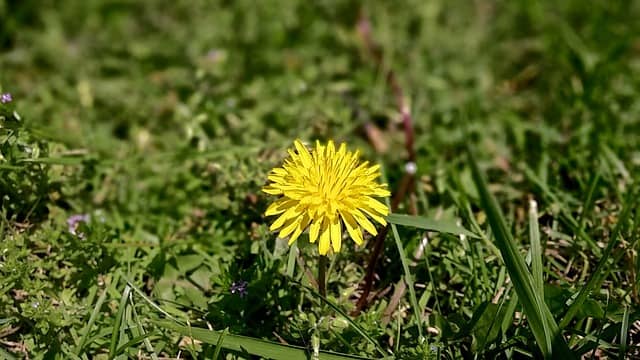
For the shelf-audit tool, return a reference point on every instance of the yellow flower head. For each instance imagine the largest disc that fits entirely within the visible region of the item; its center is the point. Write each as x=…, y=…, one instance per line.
x=323, y=189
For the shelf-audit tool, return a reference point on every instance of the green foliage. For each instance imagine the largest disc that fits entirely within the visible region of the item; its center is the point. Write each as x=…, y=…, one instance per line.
x=543, y=325
x=24, y=182
x=160, y=120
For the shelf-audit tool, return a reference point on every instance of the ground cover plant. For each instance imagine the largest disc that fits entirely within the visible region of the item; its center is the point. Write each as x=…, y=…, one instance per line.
x=136, y=138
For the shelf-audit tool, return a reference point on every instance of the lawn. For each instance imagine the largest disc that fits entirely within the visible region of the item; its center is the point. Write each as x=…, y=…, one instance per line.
x=136, y=138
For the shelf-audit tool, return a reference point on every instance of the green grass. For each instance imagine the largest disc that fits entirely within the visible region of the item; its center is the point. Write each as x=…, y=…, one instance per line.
x=160, y=120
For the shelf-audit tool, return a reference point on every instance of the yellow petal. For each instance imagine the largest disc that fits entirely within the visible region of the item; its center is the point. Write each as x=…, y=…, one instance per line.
x=279, y=206
x=289, y=214
x=331, y=149
x=305, y=157
x=373, y=170
x=336, y=234
x=300, y=228
x=374, y=215
x=271, y=190
x=319, y=153
x=295, y=236
x=364, y=222
x=325, y=241
x=363, y=167
x=279, y=171
x=288, y=227
x=376, y=205
x=314, y=229
x=342, y=151
x=374, y=209
x=380, y=192
x=352, y=227
x=276, y=178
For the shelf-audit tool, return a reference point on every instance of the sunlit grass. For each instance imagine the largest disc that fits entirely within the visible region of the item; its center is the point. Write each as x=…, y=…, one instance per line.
x=135, y=139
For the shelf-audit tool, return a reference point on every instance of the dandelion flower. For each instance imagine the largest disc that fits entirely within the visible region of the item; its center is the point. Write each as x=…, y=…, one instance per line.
x=322, y=190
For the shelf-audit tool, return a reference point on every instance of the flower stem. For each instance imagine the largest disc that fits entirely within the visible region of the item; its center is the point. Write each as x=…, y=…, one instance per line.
x=322, y=275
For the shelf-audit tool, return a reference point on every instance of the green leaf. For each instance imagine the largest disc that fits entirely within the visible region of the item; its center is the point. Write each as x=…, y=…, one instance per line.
x=337, y=309
x=429, y=224
x=6, y=355
x=487, y=328
x=591, y=308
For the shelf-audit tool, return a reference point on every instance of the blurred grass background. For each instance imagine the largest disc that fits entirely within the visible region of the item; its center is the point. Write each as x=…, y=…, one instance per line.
x=160, y=119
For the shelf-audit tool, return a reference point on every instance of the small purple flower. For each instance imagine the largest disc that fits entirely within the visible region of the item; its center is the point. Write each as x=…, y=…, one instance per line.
x=6, y=98
x=213, y=54
x=239, y=287
x=74, y=221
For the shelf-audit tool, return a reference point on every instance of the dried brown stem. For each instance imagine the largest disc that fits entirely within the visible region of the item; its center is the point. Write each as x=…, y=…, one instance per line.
x=378, y=247
x=407, y=183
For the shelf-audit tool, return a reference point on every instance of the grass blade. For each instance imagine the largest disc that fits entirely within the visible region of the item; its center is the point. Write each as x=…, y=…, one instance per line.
x=263, y=348
x=422, y=223
x=69, y=160
x=544, y=328
x=587, y=206
x=429, y=224
x=92, y=320
x=117, y=326
x=536, y=247
x=565, y=214
x=141, y=331
x=216, y=354
x=136, y=340
x=291, y=261
x=149, y=301
x=408, y=278
x=624, y=332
